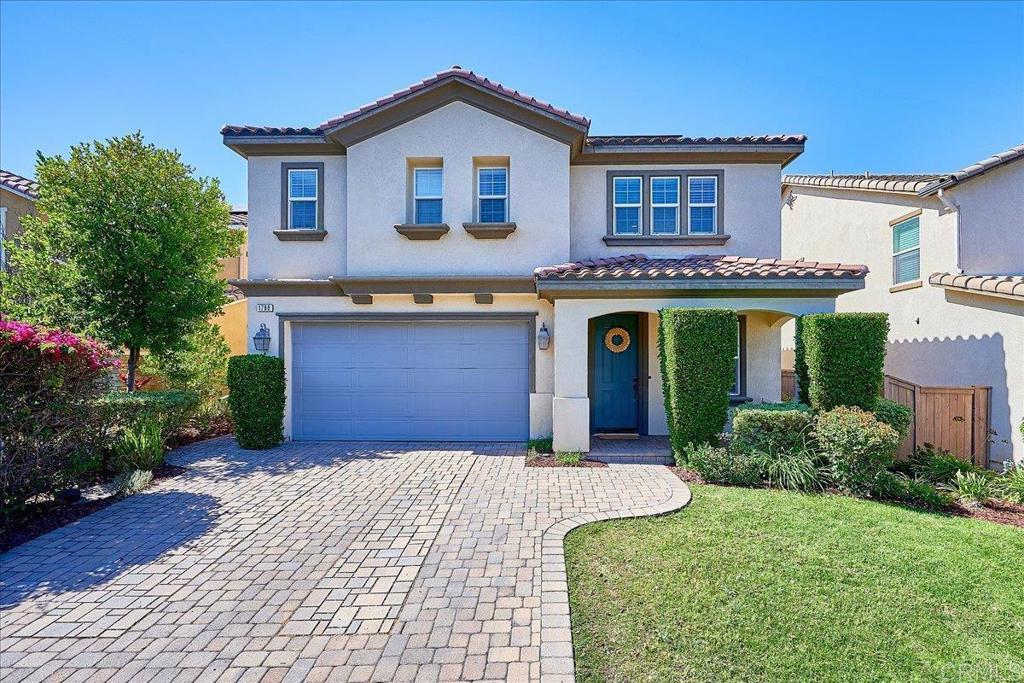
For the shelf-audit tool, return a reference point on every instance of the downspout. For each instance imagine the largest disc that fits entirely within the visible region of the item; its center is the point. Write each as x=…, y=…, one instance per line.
x=953, y=206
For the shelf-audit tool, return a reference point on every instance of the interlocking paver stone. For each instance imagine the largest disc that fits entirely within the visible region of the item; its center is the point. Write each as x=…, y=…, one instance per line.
x=321, y=562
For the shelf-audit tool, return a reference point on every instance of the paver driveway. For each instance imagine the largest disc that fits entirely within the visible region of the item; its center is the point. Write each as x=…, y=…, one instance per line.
x=325, y=561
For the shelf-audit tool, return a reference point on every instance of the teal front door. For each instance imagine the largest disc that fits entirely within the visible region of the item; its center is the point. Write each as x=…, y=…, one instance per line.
x=615, y=376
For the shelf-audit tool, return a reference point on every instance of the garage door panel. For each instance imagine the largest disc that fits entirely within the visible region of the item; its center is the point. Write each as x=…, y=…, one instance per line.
x=458, y=381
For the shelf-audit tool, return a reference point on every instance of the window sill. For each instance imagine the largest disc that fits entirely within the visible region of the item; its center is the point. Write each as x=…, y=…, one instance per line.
x=301, y=235
x=665, y=240
x=423, y=231
x=902, y=287
x=489, y=231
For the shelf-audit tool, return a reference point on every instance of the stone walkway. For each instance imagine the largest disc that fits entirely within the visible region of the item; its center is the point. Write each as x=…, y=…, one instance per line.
x=318, y=562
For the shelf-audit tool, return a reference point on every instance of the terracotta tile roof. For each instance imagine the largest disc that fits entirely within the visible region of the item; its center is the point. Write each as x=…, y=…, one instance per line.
x=605, y=141
x=19, y=184
x=640, y=267
x=453, y=73
x=975, y=169
x=892, y=182
x=234, y=293
x=239, y=218
x=998, y=285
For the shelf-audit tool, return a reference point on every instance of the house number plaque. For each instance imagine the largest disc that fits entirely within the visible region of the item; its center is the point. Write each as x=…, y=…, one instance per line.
x=264, y=308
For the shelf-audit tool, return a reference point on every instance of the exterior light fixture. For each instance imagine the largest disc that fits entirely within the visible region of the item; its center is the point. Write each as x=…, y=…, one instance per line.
x=543, y=337
x=261, y=340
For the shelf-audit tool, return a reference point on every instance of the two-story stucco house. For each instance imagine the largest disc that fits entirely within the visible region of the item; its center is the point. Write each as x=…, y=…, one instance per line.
x=946, y=255
x=459, y=261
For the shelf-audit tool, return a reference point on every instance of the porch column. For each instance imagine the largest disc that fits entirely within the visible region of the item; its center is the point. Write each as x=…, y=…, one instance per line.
x=571, y=405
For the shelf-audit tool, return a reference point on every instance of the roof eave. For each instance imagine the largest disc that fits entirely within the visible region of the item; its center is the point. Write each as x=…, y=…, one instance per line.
x=19, y=193
x=551, y=289
x=783, y=154
x=275, y=145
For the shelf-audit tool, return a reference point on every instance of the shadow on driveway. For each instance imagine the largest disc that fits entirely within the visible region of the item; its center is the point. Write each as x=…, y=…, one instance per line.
x=104, y=545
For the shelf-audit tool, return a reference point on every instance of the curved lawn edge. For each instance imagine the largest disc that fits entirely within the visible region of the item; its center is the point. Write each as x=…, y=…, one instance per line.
x=557, y=664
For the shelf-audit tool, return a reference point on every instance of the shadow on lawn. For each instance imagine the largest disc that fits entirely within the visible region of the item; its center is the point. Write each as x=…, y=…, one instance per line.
x=102, y=546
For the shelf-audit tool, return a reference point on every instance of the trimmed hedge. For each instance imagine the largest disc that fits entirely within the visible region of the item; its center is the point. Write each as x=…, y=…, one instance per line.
x=803, y=379
x=858, y=447
x=256, y=399
x=897, y=416
x=845, y=355
x=770, y=431
x=781, y=406
x=696, y=349
x=131, y=411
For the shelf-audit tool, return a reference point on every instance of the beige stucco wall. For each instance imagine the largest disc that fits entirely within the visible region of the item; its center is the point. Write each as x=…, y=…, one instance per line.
x=936, y=338
x=540, y=398
x=750, y=199
x=378, y=194
x=14, y=208
x=992, y=221
x=271, y=258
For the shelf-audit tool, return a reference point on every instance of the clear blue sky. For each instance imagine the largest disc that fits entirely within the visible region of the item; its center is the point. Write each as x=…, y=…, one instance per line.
x=877, y=86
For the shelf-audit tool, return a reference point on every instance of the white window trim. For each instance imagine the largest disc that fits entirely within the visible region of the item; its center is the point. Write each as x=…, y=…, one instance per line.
x=314, y=199
x=690, y=205
x=416, y=197
x=679, y=189
x=639, y=205
x=896, y=254
x=480, y=196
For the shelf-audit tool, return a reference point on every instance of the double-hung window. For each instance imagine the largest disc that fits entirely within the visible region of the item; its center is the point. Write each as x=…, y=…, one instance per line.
x=427, y=194
x=702, y=204
x=302, y=198
x=492, y=195
x=665, y=205
x=627, y=205
x=906, y=251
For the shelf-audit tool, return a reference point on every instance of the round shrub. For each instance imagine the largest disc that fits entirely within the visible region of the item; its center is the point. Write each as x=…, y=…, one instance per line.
x=770, y=430
x=721, y=466
x=256, y=399
x=845, y=356
x=696, y=350
x=857, y=447
x=897, y=416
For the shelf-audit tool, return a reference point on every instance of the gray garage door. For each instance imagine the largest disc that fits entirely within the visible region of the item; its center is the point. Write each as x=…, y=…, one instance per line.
x=397, y=381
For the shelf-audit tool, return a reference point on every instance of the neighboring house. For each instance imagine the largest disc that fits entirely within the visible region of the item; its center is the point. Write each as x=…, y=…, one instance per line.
x=17, y=199
x=233, y=320
x=456, y=261
x=946, y=254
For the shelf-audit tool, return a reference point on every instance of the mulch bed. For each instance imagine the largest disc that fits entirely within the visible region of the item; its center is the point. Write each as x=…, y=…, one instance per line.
x=996, y=511
x=549, y=461
x=191, y=434
x=42, y=518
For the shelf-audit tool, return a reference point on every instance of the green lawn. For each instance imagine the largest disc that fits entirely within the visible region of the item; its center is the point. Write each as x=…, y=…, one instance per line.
x=759, y=585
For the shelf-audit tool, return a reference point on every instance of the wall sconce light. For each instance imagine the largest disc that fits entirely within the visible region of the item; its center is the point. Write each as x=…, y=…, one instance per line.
x=261, y=340
x=543, y=337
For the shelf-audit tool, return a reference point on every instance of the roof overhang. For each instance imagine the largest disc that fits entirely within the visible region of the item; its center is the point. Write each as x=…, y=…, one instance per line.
x=19, y=193
x=470, y=284
x=281, y=145
x=707, y=287
x=781, y=154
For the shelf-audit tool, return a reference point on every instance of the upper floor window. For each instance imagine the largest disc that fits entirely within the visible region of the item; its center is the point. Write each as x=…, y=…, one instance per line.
x=427, y=195
x=703, y=204
x=906, y=251
x=303, y=184
x=665, y=205
x=492, y=195
x=628, y=201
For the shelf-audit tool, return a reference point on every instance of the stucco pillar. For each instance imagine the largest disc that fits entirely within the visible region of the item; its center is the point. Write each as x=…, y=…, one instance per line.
x=571, y=405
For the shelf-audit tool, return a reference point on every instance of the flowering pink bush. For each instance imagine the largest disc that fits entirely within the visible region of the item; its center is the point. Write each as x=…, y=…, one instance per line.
x=51, y=427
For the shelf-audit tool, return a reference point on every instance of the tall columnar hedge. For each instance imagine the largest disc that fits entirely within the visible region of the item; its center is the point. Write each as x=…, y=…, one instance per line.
x=256, y=400
x=803, y=380
x=845, y=355
x=696, y=350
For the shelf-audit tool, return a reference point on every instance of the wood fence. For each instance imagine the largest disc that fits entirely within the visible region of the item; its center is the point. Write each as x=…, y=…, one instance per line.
x=953, y=418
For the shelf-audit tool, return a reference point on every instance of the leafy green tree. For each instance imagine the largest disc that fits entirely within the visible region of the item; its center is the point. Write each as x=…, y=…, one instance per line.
x=199, y=365
x=129, y=248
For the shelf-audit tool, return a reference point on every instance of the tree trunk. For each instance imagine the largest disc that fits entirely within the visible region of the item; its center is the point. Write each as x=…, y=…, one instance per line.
x=133, y=361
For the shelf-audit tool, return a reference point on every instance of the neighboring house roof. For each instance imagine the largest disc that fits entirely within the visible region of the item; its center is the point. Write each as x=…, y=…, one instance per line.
x=697, y=266
x=921, y=184
x=26, y=187
x=458, y=83
x=976, y=169
x=239, y=218
x=1009, y=286
x=234, y=293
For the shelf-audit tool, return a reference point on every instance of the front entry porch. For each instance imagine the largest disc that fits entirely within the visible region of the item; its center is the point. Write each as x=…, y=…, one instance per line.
x=640, y=450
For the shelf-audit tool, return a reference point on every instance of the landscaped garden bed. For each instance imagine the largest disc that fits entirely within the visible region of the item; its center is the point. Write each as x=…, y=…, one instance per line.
x=767, y=585
x=539, y=453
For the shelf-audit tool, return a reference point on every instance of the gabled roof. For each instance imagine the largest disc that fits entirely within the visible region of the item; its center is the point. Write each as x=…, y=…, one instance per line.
x=921, y=184
x=634, y=267
x=26, y=187
x=976, y=169
x=1006, y=286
